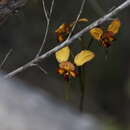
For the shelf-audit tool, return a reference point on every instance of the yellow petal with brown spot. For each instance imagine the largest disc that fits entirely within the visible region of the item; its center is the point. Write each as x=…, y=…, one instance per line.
x=60, y=38
x=60, y=29
x=114, y=26
x=67, y=66
x=60, y=71
x=63, y=54
x=83, y=57
x=73, y=74
x=96, y=33
x=63, y=28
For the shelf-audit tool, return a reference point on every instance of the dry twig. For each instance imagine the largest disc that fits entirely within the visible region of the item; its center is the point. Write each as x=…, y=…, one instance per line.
x=5, y=58
x=78, y=16
x=48, y=18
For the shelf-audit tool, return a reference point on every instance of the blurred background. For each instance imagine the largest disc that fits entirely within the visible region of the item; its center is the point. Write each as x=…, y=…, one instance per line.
x=107, y=94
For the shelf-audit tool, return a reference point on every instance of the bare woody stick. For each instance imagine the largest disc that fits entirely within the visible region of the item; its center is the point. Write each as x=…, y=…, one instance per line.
x=70, y=41
x=5, y=59
x=78, y=16
x=48, y=18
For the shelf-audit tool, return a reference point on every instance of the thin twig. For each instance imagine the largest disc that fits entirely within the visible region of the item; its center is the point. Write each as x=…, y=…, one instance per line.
x=5, y=58
x=111, y=8
x=78, y=16
x=41, y=68
x=51, y=9
x=45, y=10
x=48, y=18
x=70, y=41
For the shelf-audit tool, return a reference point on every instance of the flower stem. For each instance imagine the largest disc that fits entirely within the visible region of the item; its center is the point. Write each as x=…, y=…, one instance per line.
x=90, y=43
x=82, y=77
x=67, y=90
x=82, y=87
x=106, y=53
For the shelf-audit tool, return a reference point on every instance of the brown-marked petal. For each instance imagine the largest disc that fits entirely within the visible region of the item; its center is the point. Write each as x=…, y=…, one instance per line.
x=73, y=74
x=60, y=71
x=96, y=33
x=83, y=57
x=63, y=28
x=68, y=66
x=114, y=26
x=63, y=54
x=60, y=38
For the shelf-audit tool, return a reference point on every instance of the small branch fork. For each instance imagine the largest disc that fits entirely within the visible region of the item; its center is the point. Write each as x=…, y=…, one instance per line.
x=48, y=18
x=70, y=41
x=76, y=21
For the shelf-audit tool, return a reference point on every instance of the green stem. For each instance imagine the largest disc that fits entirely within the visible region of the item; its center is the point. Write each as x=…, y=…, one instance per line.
x=67, y=89
x=90, y=43
x=82, y=88
x=106, y=53
x=82, y=77
x=82, y=43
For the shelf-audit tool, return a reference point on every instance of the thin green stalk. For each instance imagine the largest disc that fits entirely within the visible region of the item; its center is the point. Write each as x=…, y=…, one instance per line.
x=82, y=88
x=106, y=53
x=67, y=90
x=90, y=43
x=82, y=76
x=81, y=71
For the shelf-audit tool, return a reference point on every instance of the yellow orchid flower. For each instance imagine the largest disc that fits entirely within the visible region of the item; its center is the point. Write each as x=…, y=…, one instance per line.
x=106, y=37
x=64, y=29
x=67, y=68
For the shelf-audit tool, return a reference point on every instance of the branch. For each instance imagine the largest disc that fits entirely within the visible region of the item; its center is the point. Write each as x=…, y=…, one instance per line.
x=42, y=69
x=48, y=18
x=76, y=21
x=45, y=10
x=5, y=58
x=70, y=41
